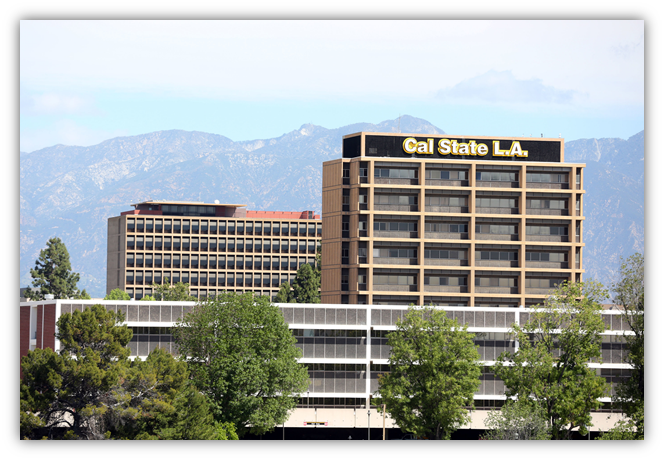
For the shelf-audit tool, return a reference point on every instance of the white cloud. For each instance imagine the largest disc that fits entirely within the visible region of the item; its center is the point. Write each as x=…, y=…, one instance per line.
x=66, y=132
x=53, y=103
x=503, y=88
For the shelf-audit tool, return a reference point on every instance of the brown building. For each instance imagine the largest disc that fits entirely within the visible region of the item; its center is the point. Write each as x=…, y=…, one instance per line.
x=213, y=247
x=450, y=220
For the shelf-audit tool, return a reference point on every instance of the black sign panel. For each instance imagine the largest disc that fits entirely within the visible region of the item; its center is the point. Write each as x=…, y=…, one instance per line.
x=459, y=148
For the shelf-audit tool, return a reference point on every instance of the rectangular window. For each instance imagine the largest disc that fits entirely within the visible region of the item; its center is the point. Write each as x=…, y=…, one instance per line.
x=496, y=176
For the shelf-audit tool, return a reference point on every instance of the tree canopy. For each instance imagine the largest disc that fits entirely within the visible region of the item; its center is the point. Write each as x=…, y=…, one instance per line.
x=629, y=294
x=434, y=372
x=53, y=274
x=243, y=357
x=172, y=292
x=517, y=420
x=72, y=387
x=91, y=388
x=307, y=285
x=550, y=367
x=305, y=288
x=117, y=294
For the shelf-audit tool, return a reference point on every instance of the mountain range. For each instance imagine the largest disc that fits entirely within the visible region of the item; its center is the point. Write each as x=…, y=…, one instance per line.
x=70, y=191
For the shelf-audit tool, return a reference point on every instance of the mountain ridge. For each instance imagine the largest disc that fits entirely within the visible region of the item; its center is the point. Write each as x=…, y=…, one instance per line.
x=70, y=191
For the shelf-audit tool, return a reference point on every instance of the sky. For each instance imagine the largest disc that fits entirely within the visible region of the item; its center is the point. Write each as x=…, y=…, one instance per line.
x=85, y=81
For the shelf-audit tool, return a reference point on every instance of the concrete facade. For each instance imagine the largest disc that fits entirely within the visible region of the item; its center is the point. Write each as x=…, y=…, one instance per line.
x=213, y=247
x=426, y=228
x=345, y=349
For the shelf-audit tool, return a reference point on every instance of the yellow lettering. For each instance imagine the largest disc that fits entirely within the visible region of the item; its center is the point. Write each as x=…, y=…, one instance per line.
x=444, y=146
x=409, y=145
x=516, y=150
x=482, y=150
x=473, y=146
x=497, y=152
x=421, y=147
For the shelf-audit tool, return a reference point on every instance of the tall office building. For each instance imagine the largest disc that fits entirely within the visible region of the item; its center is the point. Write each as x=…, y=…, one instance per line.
x=213, y=247
x=450, y=220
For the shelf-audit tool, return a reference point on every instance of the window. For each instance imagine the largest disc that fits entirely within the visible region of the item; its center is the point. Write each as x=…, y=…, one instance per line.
x=444, y=254
x=497, y=229
x=496, y=176
x=396, y=200
x=445, y=201
x=395, y=226
x=496, y=202
x=546, y=231
x=438, y=174
x=538, y=283
x=401, y=280
x=547, y=204
x=496, y=255
x=547, y=177
x=395, y=253
x=496, y=282
x=444, y=281
x=394, y=173
x=546, y=256
x=446, y=228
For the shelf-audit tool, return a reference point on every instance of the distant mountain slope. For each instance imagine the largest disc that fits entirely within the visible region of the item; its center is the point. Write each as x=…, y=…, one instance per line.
x=614, y=202
x=70, y=191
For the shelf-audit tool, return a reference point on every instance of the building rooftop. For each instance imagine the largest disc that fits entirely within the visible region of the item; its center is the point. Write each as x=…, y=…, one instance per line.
x=188, y=203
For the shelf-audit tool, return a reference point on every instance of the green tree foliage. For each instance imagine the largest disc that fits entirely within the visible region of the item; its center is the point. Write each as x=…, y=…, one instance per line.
x=156, y=400
x=285, y=294
x=517, y=420
x=117, y=294
x=92, y=388
x=550, y=365
x=147, y=298
x=434, y=372
x=307, y=285
x=176, y=292
x=242, y=356
x=629, y=293
x=83, y=295
x=72, y=387
x=53, y=273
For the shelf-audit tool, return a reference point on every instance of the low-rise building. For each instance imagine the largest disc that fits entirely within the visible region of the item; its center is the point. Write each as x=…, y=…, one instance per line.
x=345, y=349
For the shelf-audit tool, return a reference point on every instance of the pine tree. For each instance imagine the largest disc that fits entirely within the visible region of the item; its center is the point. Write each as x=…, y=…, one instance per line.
x=306, y=285
x=285, y=295
x=53, y=273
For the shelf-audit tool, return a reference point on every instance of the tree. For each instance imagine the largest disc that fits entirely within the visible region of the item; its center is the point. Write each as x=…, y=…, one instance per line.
x=72, y=387
x=177, y=292
x=284, y=295
x=117, y=294
x=517, y=420
x=83, y=295
x=242, y=356
x=434, y=372
x=53, y=273
x=92, y=388
x=629, y=294
x=156, y=400
x=550, y=367
x=306, y=285
x=148, y=298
